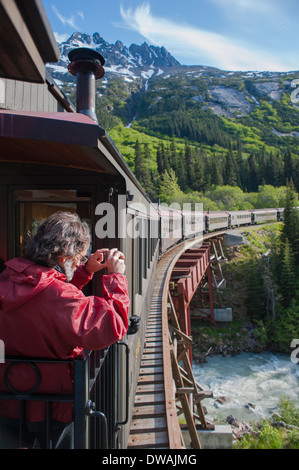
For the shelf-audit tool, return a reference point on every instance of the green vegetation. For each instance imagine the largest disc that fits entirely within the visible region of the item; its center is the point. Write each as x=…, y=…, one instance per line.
x=273, y=294
x=265, y=273
x=281, y=432
x=197, y=170
x=211, y=129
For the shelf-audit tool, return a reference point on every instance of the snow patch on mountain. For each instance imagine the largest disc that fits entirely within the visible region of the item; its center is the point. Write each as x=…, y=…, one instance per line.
x=137, y=61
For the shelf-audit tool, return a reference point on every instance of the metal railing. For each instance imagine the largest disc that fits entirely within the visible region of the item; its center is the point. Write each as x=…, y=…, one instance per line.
x=94, y=399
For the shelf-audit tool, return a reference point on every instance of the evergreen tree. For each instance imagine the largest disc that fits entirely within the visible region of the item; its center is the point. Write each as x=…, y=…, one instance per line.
x=263, y=166
x=153, y=189
x=216, y=174
x=207, y=175
x=279, y=169
x=253, y=182
x=141, y=168
x=181, y=171
x=255, y=293
x=230, y=173
x=167, y=159
x=296, y=173
x=189, y=166
x=148, y=177
x=290, y=229
x=244, y=175
x=272, y=170
x=239, y=161
x=287, y=274
x=270, y=290
x=138, y=159
x=163, y=158
x=160, y=162
x=169, y=189
x=288, y=165
x=199, y=173
x=173, y=158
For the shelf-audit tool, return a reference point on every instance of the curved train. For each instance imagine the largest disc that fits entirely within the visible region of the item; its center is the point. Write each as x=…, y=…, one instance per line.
x=55, y=157
x=177, y=225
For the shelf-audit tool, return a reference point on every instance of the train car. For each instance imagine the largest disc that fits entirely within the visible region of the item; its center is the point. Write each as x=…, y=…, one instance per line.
x=170, y=227
x=192, y=223
x=55, y=157
x=237, y=218
x=259, y=216
x=216, y=221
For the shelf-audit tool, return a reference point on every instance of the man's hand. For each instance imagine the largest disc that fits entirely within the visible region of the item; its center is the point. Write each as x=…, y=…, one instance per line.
x=114, y=261
x=96, y=261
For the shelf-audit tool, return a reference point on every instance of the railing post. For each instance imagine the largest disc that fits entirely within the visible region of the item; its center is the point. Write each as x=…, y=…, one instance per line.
x=81, y=382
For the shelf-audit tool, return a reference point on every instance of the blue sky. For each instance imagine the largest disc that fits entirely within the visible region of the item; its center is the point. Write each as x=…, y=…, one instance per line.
x=228, y=34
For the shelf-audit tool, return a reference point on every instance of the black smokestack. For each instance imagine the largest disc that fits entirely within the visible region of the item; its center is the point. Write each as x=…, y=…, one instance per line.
x=87, y=65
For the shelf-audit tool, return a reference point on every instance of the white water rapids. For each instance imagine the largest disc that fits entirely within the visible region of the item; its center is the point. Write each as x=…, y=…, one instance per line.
x=256, y=379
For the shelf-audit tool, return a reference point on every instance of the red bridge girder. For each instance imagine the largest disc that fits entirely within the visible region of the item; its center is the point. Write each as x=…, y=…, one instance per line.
x=188, y=274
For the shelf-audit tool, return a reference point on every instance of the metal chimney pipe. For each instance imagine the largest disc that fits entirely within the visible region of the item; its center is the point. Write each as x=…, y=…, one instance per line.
x=87, y=65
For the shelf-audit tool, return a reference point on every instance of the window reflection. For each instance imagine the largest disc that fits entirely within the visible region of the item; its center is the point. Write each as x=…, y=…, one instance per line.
x=35, y=205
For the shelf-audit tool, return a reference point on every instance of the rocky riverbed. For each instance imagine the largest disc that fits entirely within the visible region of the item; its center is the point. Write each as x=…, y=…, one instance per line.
x=226, y=341
x=239, y=429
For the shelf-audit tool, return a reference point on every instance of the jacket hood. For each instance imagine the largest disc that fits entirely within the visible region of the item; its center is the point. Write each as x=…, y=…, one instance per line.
x=22, y=280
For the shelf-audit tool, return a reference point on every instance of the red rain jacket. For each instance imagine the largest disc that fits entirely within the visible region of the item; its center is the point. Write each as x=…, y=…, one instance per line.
x=41, y=315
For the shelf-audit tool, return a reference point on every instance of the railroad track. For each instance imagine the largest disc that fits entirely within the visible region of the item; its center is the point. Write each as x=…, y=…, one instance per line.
x=154, y=421
x=149, y=423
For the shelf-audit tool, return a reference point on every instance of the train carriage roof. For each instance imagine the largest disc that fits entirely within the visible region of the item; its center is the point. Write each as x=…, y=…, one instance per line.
x=243, y=211
x=27, y=40
x=264, y=210
x=59, y=139
x=216, y=214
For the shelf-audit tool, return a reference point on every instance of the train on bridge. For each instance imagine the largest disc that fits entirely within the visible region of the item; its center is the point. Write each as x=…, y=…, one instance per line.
x=177, y=225
x=54, y=157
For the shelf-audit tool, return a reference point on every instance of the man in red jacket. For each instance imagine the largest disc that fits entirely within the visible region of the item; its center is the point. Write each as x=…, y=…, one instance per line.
x=43, y=313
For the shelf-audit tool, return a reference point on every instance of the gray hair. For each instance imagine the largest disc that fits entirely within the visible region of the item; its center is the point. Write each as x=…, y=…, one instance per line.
x=61, y=234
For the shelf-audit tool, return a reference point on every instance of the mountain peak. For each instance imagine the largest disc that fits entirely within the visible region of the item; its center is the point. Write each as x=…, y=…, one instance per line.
x=140, y=61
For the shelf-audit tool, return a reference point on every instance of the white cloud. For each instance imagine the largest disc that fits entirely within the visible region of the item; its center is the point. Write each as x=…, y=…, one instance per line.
x=194, y=43
x=68, y=21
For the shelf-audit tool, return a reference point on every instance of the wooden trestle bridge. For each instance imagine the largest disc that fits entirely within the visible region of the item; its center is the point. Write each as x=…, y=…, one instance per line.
x=167, y=389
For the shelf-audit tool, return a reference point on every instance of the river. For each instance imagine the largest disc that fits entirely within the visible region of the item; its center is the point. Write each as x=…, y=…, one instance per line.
x=253, y=384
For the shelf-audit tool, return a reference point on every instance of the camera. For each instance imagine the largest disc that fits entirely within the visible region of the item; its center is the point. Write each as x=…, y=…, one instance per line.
x=103, y=257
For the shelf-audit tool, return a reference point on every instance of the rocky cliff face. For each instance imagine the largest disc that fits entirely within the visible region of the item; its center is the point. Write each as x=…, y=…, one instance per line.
x=137, y=60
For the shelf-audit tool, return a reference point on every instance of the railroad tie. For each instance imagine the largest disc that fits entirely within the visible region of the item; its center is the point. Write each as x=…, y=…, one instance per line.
x=149, y=425
x=149, y=422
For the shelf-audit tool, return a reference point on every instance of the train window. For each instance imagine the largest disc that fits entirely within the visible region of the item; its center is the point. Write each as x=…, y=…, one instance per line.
x=153, y=237
x=35, y=205
x=138, y=257
x=149, y=248
x=218, y=219
x=144, y=252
